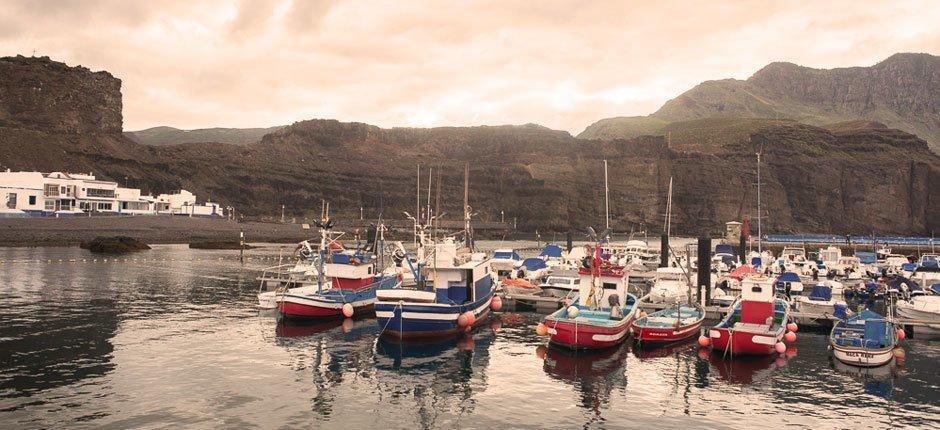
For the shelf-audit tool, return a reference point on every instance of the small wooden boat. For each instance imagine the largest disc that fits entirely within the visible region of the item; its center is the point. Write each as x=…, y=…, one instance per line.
x=864, y=340
x=669, y=325
x=601, y=315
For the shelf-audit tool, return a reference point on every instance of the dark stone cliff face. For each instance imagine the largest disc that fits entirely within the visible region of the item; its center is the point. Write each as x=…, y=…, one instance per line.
x=851, y=178
x=40, y=94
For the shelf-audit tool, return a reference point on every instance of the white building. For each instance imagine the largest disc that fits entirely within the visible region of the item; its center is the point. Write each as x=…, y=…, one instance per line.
x=60, y=194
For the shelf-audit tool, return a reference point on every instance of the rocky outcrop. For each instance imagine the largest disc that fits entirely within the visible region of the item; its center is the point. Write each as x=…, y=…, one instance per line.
x=857, y=177
x=174, y=136
x=902, y=92
x=39, y=94
x=114, y=245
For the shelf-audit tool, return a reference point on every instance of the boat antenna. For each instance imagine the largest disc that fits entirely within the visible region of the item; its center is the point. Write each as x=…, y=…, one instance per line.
x=667, y=224
x=417, y=217
x=437, y=199
x=430, y=173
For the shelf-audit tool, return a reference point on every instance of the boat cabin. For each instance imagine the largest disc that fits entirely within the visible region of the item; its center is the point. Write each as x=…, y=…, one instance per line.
x=454, y=285
x=608, y=289
x=350, y=269
x=830, y=255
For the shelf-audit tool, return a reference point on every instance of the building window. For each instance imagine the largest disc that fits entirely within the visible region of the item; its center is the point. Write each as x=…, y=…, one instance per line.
x=32, y=200
x=104, y=206
x=11, y=201
x=50, y=205
x=52, y=190
x=100, y=192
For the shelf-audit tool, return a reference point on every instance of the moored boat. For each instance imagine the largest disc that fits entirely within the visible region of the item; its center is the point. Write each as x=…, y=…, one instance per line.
x=864, y=340
x=601, y=315
x=756, y=324
x=669, y=325
x=819, y=301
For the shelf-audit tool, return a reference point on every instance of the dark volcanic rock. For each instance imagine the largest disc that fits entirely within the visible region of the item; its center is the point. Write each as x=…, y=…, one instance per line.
x=114, y=245
x=40, y=94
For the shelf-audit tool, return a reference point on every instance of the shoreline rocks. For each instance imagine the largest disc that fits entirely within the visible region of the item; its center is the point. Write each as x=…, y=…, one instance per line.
x=114, y=245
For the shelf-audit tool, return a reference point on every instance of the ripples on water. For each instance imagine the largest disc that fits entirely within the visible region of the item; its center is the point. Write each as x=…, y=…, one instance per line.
x=177, y=342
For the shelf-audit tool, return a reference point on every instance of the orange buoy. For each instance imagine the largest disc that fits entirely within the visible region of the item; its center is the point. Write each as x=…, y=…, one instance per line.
x=348, y=310
x=540, y=329
x=703, y=340
x=496, y=303
x=790, y=337
x=780, y=347
x=901, y=334
x=793, y=327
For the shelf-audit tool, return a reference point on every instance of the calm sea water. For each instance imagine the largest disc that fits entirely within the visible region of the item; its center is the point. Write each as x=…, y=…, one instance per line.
x=173, y=340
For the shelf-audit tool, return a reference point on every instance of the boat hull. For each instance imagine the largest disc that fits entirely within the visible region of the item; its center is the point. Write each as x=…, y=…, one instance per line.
x=584, y=335
x=740, y=342
x=316, y=307
x=862, y=357
x=428, y=320
x=665, y=334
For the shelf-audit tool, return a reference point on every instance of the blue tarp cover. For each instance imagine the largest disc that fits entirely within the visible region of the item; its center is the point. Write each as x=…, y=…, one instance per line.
x=507, y=255
x=551, y=250
x=534, y=263
x=788, y=277
x=866, y=257
x=724, y=249
x=875, y=333
x=821, y=292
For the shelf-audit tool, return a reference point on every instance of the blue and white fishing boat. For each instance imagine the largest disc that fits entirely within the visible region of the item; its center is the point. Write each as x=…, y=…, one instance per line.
x=533, y=269
x=453, y=291
x=865, y=340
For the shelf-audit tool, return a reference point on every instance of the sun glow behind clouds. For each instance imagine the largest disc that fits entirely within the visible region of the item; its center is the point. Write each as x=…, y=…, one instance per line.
x=557, y=63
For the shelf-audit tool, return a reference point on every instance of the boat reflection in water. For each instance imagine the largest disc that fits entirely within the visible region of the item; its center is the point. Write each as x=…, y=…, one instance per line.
x=595, y=373
x=296, y=328
x=746, y=370
x=652, y=351
x=433, y=379
x=878, y=381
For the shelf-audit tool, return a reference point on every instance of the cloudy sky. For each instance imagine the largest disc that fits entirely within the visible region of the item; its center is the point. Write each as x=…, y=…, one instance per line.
x=562, y=64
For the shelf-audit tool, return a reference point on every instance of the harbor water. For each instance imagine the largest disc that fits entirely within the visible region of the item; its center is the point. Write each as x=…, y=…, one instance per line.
x=172, y=338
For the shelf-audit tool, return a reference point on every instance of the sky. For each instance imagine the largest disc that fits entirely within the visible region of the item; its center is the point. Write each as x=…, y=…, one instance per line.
x=561, y=64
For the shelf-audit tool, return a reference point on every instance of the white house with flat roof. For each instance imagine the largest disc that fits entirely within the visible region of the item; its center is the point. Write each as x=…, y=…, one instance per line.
x=62, y=193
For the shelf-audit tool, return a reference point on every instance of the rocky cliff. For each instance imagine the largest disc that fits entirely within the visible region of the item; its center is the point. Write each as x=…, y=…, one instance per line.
x=903, y=92
x=852, y=177
x=172, y=136
x=37, y=93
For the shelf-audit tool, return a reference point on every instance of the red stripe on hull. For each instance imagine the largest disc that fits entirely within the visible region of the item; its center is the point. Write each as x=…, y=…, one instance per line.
x=351, y=284
x=665, y=334
x=743, y=343
x=296, y=310
x=581, y=335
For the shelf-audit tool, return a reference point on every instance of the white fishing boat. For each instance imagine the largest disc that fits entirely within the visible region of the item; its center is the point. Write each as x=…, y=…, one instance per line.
x=921, y=308
x=561, y=284
x=819, y=301
x=504, y=262
x=669, y=286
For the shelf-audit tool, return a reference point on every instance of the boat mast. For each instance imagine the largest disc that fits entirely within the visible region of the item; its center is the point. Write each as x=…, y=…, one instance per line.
x=667, y=225
x=759, y=248
x=417, y=205
x=466, y=206
x=606, y=198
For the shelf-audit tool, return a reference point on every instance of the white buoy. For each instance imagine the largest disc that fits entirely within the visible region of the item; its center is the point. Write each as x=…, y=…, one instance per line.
x=573, y=311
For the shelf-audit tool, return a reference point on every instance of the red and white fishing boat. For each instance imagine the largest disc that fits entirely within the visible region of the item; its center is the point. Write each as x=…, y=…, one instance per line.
x=757, y=323
x=601, y=315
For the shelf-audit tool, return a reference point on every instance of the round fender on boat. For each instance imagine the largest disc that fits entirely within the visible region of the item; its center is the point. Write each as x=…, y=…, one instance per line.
x=793, y=327
x=540, y=329
x=573, y=311
x=780, y=347
x=471, y=318
x=496, y=303
x=901, y=334
x=790, y=336
x=348, y=310
x=703, y=341
x=463, y=320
